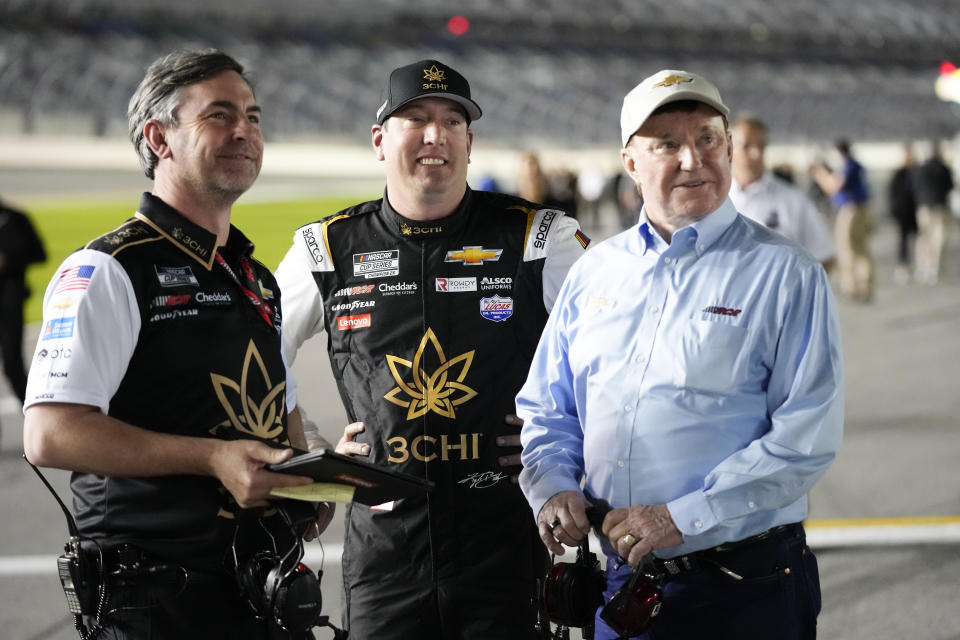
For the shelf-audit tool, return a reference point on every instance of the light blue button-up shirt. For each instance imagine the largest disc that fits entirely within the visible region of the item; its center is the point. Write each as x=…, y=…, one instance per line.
x=704, y=374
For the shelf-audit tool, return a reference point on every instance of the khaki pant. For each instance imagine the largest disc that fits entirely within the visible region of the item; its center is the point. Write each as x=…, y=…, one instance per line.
x=854, y=262
x=930, y=240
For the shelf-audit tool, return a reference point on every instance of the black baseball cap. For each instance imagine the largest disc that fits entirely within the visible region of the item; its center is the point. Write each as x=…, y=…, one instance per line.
x=426, y=79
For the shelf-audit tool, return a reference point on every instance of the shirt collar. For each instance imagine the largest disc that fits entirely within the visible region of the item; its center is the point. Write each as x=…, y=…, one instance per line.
x=760, y=184
x=424, y=229
x=192, y=239
x=705, y=232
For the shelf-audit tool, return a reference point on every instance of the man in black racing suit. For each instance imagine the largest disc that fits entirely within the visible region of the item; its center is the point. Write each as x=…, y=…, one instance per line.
x=433, y=299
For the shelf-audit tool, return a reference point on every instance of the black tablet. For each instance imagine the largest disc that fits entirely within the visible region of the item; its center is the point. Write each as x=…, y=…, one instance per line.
x=373, y=484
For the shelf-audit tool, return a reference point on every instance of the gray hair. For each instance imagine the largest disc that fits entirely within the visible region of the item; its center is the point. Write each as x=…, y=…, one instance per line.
x=158, y=95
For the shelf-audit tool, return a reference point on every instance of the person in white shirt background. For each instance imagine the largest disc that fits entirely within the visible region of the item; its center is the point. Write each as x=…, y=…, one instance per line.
x=770, y=200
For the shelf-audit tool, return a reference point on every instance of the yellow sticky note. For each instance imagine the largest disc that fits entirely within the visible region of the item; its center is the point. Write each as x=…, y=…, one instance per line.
x=316, y=492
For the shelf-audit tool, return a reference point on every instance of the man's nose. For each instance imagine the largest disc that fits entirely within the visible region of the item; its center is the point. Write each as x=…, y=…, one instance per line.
x=433, y=133
x=689, y=157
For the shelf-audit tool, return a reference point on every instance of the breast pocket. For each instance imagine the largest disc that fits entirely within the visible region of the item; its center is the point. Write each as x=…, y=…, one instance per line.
x=714, y=356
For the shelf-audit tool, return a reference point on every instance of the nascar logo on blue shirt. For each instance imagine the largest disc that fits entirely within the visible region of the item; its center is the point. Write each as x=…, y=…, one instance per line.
x=496, y=308
x=59, y=328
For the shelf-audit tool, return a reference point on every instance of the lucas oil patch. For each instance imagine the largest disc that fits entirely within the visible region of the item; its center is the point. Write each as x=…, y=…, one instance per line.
x=496, y=308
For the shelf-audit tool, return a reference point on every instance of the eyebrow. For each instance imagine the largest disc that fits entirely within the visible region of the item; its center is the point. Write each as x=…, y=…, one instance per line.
x=227, y=104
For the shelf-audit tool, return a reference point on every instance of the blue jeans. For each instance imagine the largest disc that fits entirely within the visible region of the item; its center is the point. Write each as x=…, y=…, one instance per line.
x=778, y=598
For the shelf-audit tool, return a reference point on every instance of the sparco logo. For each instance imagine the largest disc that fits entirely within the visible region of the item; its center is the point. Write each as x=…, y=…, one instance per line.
x=544, y=228
x=312, y=245
x=345, y=323
x=354, y=291
x=496, y=283
x=350, y=306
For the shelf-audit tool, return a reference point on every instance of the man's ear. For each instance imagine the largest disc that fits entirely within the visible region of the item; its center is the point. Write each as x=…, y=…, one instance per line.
x=376, y=138
x=156, y=136
x=629, y=162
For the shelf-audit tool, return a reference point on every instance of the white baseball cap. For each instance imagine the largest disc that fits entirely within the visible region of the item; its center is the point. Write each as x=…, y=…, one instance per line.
x=668, y=85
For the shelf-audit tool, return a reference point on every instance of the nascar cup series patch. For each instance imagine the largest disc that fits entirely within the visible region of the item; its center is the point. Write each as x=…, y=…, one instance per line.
x=496, y=308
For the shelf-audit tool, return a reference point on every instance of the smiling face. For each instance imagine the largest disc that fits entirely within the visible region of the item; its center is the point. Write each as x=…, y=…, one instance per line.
x=680, y=160
x=749, y=145
x=426, y=147
x=215, y=150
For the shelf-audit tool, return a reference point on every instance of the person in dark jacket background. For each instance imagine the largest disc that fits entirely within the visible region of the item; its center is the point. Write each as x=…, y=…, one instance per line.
x=903, y=209
x=933, y=183
x=20, y=246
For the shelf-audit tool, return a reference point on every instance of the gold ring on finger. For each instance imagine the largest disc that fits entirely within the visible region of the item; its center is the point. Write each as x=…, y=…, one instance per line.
x=628, y=540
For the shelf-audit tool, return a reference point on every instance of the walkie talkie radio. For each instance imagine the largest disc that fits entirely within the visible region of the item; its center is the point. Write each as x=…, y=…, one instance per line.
x=80, y=575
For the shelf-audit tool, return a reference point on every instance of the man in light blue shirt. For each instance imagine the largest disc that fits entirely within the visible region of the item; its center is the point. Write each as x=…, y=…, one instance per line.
x=689, y=379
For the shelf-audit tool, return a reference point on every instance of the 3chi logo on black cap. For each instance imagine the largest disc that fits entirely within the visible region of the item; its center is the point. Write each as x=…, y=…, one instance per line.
x=427, y=78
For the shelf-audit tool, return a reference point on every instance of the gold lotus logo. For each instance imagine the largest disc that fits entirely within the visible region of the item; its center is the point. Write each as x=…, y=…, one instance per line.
x=434, y=75
x=672, y=80
x=439, y=391
x=262, y=419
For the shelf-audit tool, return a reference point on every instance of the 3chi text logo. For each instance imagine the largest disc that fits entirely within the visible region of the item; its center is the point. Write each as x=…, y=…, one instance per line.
x=434, y=78
x=439, y=391
x=409, y=230
x=263, y=419
x=186, y=240
x=465, y=446
x=672, y=80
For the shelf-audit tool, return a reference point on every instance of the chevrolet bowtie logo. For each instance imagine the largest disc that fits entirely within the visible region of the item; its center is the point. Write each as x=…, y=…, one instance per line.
x=473, y=255
x=672, y=80
x=434, y=75
x=439, y=391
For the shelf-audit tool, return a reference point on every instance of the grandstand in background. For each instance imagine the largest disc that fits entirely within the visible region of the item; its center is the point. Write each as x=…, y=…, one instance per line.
x=545, y=71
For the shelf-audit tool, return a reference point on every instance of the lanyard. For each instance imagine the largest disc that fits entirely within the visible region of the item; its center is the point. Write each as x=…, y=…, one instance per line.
x=248, y=285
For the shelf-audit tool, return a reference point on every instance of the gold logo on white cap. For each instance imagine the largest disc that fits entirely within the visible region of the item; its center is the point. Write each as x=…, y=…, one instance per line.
x=672, y=80
x=434, y=75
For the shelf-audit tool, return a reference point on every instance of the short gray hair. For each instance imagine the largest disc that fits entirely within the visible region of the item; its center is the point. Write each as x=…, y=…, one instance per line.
x=158, y=95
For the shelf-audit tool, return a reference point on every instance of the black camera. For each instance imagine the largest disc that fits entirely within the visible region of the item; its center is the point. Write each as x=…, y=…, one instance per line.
x=636, y=603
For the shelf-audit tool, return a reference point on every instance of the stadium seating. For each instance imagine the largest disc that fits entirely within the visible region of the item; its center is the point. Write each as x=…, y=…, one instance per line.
x=543, y=70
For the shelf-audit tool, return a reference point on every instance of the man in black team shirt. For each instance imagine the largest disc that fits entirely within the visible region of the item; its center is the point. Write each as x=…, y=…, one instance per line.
x=158, y=378
x=433, y=298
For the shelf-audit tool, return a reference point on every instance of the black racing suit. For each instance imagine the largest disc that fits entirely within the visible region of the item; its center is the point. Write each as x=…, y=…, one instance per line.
x=431, y=327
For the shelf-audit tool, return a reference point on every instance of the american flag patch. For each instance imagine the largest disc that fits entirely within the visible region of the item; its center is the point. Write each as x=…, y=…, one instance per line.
x=582, y=238
x=74, y=279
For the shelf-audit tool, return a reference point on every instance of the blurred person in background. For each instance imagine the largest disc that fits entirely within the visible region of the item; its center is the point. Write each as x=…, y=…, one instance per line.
x=690, y=380
x=433, y=298
x=771, y=201
x=850, y=192
x=157, y=336
x=933, y=183
x=628, y=199
x=532, y=183
x=20, y=246
x=554, y=189
x=591, y=187
x=902, y=201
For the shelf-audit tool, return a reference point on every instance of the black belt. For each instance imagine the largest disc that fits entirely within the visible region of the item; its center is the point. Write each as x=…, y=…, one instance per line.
x=674, y=566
